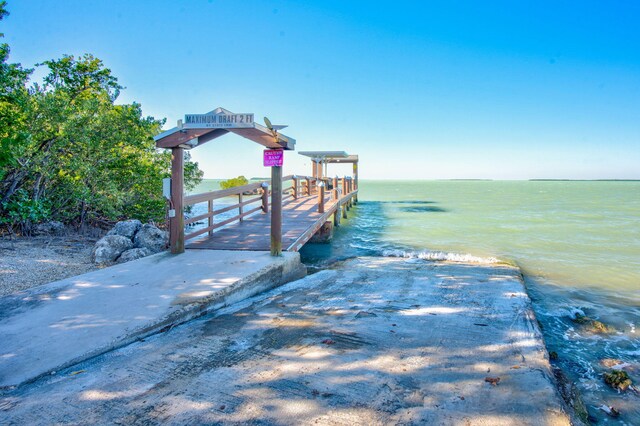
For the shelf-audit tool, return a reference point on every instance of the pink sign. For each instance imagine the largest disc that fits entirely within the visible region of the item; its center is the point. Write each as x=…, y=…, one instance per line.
x=273, y=157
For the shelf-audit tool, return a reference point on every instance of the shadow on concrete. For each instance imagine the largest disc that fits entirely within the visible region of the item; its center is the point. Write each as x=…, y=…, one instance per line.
x=376, y=341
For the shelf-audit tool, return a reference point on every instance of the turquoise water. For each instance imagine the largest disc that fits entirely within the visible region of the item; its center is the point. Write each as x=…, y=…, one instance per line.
x=578, y=244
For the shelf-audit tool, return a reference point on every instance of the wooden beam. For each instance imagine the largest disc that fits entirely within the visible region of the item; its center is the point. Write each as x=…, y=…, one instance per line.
x=276, y=211
x=176, y=223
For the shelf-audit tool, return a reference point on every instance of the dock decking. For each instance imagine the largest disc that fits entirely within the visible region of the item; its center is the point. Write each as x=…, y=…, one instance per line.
x=300, y=220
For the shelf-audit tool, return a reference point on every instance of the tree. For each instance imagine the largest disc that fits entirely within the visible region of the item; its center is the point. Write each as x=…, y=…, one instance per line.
x=232, y=183
x=69, y=152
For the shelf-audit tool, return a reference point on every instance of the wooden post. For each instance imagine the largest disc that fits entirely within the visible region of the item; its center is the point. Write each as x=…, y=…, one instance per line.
x=308, y=185
x=335, y=188
x=355, y=180
x=350, y=185
x=345, y=188
x=240, y=207
x=210, y=209
x=265, y=197
x=176, y=223
x=276, y=210
x=321, y=197
x=295, y=187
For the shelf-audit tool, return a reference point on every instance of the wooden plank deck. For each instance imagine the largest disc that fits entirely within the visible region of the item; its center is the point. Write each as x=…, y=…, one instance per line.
x=300, y=220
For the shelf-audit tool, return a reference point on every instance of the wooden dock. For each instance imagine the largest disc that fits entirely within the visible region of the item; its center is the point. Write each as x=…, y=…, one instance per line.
x=307, y=204
x=300, y=221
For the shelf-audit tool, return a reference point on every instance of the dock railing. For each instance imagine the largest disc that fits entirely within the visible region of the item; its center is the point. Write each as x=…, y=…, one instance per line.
x=255, y=197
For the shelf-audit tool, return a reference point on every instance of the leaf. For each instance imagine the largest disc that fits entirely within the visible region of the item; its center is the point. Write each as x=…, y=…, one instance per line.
x=492, y=380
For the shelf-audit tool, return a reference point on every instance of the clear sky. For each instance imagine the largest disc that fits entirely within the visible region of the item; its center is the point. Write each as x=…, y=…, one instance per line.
x=420, y=90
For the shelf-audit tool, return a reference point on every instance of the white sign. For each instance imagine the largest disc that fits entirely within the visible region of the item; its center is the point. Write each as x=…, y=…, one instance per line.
x=217, y=121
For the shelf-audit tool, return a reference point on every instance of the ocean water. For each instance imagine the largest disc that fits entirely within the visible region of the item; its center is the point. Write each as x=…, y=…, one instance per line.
x=577, y=243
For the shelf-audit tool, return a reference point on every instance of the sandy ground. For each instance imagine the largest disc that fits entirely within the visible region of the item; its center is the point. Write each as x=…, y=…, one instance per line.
x=27, y=262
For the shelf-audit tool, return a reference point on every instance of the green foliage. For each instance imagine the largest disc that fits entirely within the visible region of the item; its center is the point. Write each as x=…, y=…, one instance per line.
x=24, y=211
x=232, y=183
x=68, y=152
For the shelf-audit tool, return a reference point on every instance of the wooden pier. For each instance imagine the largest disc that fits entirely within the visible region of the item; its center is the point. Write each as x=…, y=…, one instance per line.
x=249, y=229
x=275, y=215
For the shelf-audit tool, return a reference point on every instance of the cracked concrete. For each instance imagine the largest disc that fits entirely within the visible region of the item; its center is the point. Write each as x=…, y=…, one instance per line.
x=373, y=341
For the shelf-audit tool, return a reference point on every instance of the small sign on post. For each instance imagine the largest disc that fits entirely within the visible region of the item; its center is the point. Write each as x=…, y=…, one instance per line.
x=273, y=157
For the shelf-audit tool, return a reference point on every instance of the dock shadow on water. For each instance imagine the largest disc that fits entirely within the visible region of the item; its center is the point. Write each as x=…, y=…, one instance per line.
x=363, y=233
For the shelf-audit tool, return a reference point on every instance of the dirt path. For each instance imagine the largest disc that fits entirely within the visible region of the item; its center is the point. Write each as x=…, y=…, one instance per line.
x=26, y=262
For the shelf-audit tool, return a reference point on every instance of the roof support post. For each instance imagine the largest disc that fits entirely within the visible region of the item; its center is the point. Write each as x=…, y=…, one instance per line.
x=276, y=211
x=176, y=223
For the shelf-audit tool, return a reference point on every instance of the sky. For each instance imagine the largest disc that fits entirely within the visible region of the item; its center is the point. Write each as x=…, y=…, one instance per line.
x=419, y=90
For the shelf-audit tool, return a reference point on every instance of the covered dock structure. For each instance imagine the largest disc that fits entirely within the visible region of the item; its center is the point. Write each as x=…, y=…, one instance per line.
x=282, y=213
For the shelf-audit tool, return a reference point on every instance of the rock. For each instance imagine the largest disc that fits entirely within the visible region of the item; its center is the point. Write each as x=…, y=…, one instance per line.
x=133, y=254
x=617, y=379
x=363, y=314
x=152, y=238
x=110, y=247
x=126, y=228
x=611, y=363
x=49, y=228
x=593, y=326
x=571, y=395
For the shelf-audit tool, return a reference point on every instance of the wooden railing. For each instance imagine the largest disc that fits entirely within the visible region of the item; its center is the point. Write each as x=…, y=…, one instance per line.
x=257, y=192
x=326, y=189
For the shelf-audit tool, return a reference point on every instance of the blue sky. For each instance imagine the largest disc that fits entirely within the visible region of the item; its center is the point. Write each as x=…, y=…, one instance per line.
x=420, y=90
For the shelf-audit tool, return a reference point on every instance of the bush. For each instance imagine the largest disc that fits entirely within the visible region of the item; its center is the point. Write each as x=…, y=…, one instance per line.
x=232, y=183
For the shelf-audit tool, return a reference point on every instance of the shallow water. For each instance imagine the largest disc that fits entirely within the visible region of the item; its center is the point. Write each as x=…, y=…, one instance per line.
x=578, y=244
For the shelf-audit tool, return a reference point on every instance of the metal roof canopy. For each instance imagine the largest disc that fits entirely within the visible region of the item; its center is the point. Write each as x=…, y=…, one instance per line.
x=330, y=156
x=190, y=135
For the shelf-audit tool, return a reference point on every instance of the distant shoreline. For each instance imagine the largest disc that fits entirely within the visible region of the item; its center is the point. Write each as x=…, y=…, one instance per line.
x=473, y=180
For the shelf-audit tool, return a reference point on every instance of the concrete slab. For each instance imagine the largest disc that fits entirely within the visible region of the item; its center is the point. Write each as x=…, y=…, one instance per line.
x=68, y=321
x=375, y=341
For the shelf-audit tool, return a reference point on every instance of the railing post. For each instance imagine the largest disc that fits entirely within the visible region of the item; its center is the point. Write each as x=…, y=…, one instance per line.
x=265, y=197
x=355, y=180
x=295, y=187
x=335, y=188
x=176, y=223
x=210, y=210
x=321, y=197
x=240, y=207
x=308, y=185
x=276, y=210
x=350, y=191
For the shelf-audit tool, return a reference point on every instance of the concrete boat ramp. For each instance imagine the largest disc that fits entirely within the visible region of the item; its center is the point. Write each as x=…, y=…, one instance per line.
x=371, y=341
